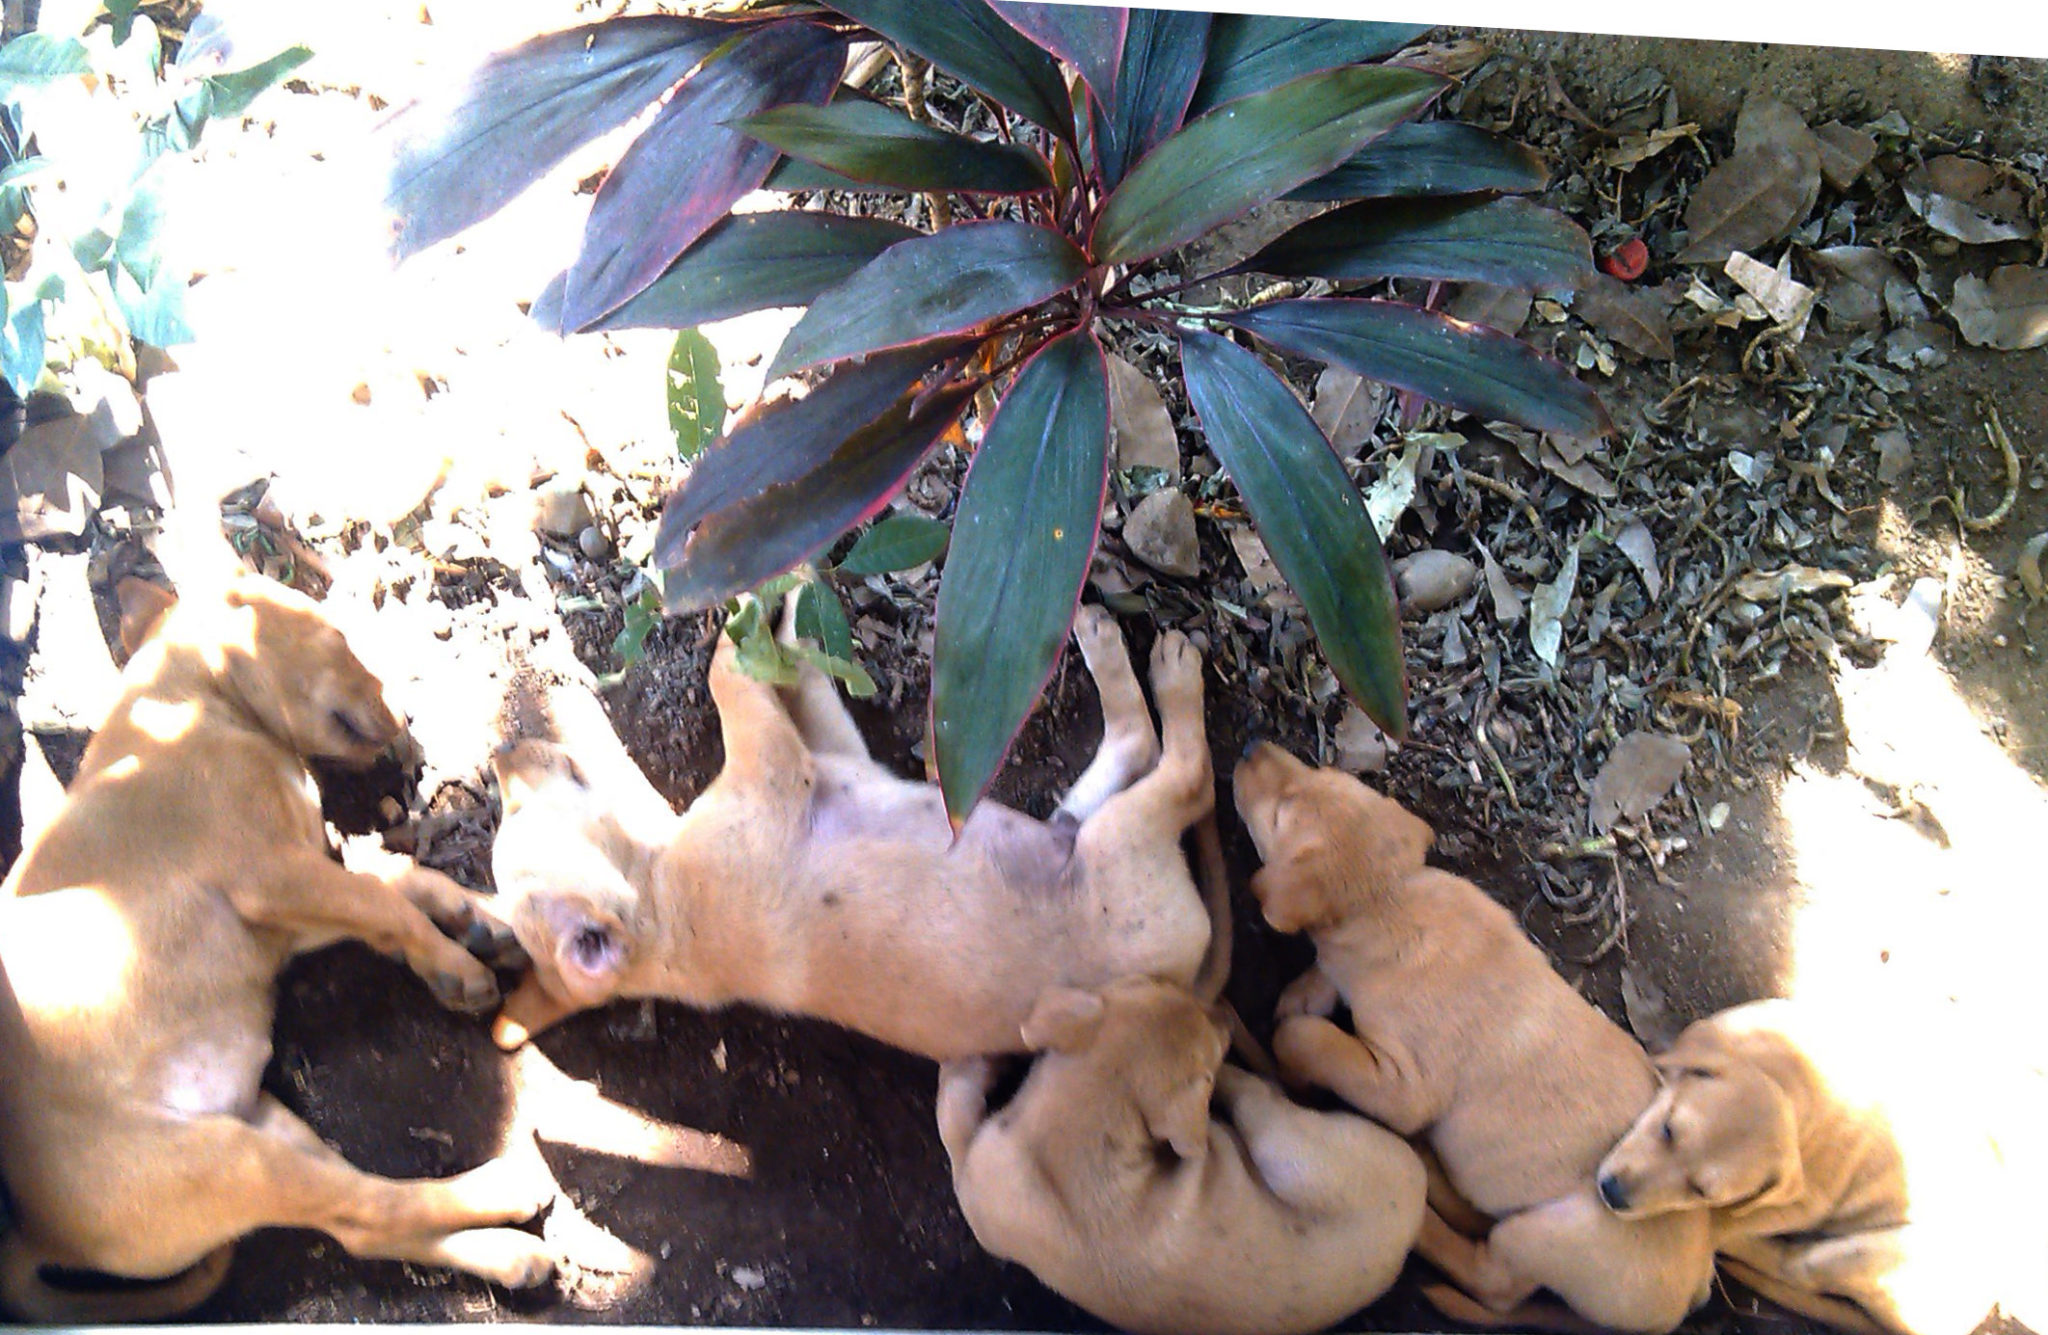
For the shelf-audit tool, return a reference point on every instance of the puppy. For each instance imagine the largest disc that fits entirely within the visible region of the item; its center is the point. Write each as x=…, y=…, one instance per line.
x=140, y=937
x=810, y=880
x=1107, y=1176
x=1851, y=1165
x=1465, y=1036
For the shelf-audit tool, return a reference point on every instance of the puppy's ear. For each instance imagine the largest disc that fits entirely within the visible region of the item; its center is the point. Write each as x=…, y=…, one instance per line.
x=588, y=943
x=143, y=605
x=1293, y=893
x=1064, y=1020
x=1181, y=1117
x=1787, y=1183
x=1397, y=841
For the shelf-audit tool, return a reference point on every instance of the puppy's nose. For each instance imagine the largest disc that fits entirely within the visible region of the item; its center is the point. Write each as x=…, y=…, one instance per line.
x=1613, y=1192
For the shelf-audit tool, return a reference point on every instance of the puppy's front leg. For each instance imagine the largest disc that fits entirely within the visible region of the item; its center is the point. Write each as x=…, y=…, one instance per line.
x=1374, y=1075
x=963, y=1104
x=1311, y=994
x=310, y=897
x=763, y=749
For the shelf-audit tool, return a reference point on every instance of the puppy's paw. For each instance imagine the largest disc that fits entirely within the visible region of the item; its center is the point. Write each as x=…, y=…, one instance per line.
x=505, y=1256
x=1311, y=994
x=1098, y=637
x=510, y=1189
x=460, y=982
x=1299, y=1045
x=1176, y=669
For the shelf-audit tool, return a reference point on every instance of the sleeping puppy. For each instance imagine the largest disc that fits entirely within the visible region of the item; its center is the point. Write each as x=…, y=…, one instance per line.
x=810, y=880
x=140, y=938
x=1110, y=1180
x=1851, y=1165
x=1466, y=1037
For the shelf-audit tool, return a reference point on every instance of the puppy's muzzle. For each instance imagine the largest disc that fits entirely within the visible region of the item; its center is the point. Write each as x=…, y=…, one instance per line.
x=1613, y=1192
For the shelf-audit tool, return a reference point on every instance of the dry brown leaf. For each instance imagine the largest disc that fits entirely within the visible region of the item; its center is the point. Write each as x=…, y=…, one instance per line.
x=1790, y=581
x=1259, y=571
x=1577, y=472
x=51, y=478
x=1854, y=294
x=1641, y=550
x=1764, y=122
x=1626, y=316
x=1968, y=200
x=1845, y=153
x=1348, y=406
x=1788, y=303
x=1648, y=1010
x=1750, y=200
x=1639, y=771
x=1634, y=148
x=2008, y=312
x=1140, y=426
x=1507, y=604
x=1502, y=308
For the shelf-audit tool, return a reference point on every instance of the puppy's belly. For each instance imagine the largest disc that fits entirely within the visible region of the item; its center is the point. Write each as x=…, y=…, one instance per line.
x=214, y=1075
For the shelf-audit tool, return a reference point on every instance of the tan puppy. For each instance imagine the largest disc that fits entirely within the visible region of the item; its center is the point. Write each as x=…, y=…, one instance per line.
x=1466, y=1036
x=809, y=879
x=140, y=937
x=1851, y=1166
x=1109, y=1179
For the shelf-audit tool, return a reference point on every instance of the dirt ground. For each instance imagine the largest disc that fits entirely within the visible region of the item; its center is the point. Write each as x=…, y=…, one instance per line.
x=739, y=1168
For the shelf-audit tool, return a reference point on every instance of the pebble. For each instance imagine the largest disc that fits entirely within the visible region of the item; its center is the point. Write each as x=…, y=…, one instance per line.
x=1161, y=533
x=1431, y=580
x=560, y=509
x=594, y=543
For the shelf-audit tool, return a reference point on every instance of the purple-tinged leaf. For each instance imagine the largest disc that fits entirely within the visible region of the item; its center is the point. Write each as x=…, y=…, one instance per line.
x=768, y=532
x=794, y=174
x=1249, y=53
x=1021, y=545
x=870, y=142
x=968, y=39
x=946, y=283
x=1433, y=158
x=1163, y=54
x=1254, y=150
x=1088, y=37
x=457, y=160
x=1309, y=514
x=749, y=262
x=1478, y=370
x=1506, y=242
x=777, y=443
x=687, y=169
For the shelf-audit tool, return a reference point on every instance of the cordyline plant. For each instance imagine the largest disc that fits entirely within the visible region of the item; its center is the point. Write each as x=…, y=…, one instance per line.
x=1120, y=137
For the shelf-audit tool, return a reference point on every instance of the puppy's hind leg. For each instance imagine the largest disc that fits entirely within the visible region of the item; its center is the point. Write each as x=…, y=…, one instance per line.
x=1129, y=747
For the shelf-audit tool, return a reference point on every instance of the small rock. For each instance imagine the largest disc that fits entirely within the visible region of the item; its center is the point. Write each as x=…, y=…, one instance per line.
x=1161, y=533
x=1431, y=580
x=595, y=544
x=561, y=510
x=749, y=1278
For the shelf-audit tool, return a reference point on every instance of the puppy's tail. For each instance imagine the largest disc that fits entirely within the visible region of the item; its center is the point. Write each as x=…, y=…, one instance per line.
x=28, y=1296
x=1212, y=875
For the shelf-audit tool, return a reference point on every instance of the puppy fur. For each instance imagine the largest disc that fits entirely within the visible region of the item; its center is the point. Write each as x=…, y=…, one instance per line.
x=1463, y=1035
x=810, y=880
x=140, y=937
x=1853, y=1172
x=1108, y=1177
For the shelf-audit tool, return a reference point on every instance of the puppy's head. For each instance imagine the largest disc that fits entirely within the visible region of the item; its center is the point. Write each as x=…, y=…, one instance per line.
x=1151, y=1041
x=1720, y=1134
x=559, y=861
x=290, y=666
x=1326, y=839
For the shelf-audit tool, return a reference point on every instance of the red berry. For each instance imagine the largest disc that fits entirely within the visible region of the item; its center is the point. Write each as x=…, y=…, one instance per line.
x=1627, y=260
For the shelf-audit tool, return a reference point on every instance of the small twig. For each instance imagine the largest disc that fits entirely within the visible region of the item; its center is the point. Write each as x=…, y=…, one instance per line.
x=1994, y=430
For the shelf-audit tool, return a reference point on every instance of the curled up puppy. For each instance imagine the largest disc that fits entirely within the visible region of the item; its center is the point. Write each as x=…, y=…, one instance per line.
x=1465, y=1036
x=1110, y=1179
x=809, y=879
x=141, y=934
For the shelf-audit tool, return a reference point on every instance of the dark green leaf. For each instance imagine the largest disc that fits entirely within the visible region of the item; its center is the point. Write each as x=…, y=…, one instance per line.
x=794, y=174
x=688, y=168
x=1163, y=54
x=23, y=344
x=778, y=527
x=233, y=92
x=946, y=283
x=859, y=684
x=1506, y=242
x=1310, y=516
x=968, y=39
x=1021, y=544
x=141, y=223
x=1088, y=37
x=155, y=316
x=1481, y=371
x=1256, y=149
x=749, y=262
x=456, y=161
x=870, y=142
x=696, y=401
x=36, y=58
x=1249, y=53
x=1433, y=158
x=781, y=441
x=897, y=543
x=820, y=616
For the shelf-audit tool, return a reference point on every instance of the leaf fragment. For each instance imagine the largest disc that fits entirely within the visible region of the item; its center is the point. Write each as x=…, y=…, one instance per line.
x=696, y=399
x=1547, y=608
x=2008, y=311
x=1641, y=769
x=1141, y=429
x=1748, y=201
